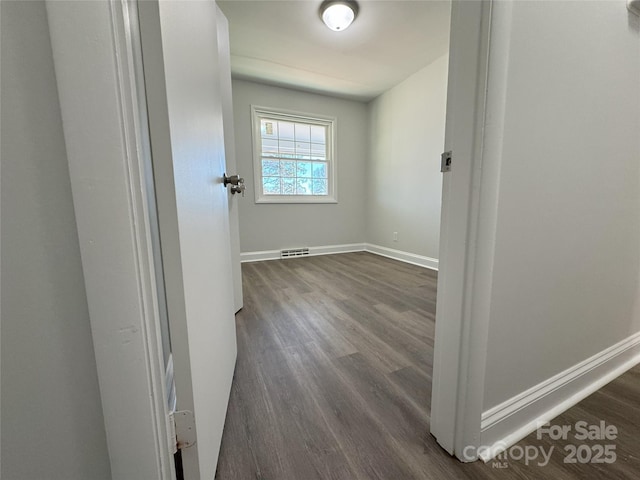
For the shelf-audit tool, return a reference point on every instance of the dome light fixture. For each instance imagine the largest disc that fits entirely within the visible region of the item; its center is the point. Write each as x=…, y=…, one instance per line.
x=338, y=14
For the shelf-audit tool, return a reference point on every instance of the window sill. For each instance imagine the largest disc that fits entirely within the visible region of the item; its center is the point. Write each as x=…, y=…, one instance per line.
x=296, y=199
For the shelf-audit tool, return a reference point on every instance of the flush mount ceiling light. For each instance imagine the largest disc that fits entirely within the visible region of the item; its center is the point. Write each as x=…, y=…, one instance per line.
x=338, y=14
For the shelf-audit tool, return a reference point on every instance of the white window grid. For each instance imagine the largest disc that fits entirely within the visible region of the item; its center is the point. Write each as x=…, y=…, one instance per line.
x=296, y=165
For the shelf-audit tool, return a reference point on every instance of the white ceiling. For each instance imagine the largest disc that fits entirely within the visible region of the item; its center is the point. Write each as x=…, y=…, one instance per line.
x=285, y=43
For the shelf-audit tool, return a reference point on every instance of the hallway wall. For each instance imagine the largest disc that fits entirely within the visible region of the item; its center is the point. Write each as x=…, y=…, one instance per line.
x=566, y=272
x=52, y=421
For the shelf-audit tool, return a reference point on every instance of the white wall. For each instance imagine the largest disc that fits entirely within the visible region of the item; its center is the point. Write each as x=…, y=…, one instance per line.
x=52, y=422
x=566, y=272
x=404, y=183
x=277, y=226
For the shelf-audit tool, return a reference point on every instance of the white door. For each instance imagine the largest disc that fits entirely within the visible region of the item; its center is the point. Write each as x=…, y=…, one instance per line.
x=184, y=101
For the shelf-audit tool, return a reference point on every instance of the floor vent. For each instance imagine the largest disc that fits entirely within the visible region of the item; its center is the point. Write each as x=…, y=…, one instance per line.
x=294, y=252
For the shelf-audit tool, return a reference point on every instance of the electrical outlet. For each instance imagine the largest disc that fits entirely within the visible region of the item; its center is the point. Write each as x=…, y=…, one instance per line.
x=395, y=236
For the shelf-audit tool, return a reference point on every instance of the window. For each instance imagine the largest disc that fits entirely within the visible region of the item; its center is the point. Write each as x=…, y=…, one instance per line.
x=294, y=158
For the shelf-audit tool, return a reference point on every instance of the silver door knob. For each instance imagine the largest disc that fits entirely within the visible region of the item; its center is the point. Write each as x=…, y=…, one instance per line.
x=236, y=182
x=233, y=179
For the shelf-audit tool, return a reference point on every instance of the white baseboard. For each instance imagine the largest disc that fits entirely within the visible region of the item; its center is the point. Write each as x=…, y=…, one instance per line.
x=321, y=250
x=511, y=421
x=414, y=259
x=331, y=249
x=259, y=256
x=406, y=257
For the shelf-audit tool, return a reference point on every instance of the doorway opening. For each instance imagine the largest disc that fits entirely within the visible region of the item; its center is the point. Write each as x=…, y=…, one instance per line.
x=354, y=331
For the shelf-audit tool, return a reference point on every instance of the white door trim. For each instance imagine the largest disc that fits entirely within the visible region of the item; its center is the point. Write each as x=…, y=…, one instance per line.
x=464, y=273
x=224, y=57
x=94, y=45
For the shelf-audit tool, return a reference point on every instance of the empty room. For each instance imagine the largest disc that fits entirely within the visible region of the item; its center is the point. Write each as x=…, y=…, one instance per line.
x=338, y=137
x=320, y=239
x=334, y=372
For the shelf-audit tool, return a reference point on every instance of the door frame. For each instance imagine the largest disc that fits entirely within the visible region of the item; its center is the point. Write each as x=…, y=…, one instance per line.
x=466, y=237
x=94, y=49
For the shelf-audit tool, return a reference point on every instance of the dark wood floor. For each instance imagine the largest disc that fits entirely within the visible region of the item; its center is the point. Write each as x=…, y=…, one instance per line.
x=333, y=381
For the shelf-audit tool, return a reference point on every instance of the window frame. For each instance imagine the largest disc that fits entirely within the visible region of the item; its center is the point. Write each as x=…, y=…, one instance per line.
x=258, y=113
